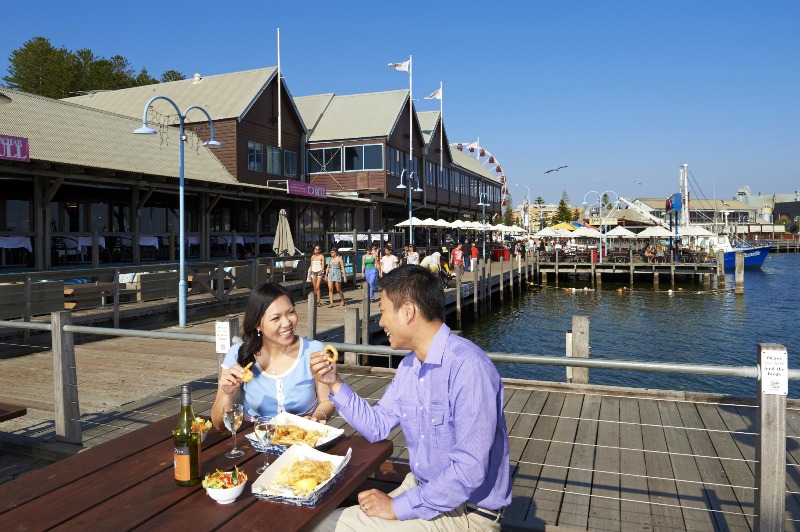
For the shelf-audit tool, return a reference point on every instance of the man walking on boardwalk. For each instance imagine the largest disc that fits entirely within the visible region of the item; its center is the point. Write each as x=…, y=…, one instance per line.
x=448, y=399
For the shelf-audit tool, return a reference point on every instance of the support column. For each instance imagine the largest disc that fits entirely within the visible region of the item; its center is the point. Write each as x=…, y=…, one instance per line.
x=580, y=347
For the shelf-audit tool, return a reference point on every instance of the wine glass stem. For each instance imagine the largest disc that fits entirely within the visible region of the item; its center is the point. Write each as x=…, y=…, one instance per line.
x=234, y=441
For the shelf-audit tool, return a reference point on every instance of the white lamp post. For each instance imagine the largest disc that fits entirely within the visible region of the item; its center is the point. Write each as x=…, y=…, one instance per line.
x=600, y=202
x=212, y=142
x=411, y=177
x=483, y=201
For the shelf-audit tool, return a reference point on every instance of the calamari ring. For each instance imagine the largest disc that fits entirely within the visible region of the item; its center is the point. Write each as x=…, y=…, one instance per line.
x=331, y=353
x=248, y=375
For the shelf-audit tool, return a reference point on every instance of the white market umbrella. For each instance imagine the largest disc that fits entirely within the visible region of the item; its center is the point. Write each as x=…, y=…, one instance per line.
x=694, y=230
x=428, y=222
x=546, y=232
x=655, y=231
x=621, y=231
x=416, y=221
x=284, y=243
x=586, y=232
x=444, y=224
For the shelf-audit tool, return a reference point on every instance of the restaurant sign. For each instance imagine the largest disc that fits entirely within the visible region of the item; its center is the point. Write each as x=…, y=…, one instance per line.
x=304, y=189
x=14, y=148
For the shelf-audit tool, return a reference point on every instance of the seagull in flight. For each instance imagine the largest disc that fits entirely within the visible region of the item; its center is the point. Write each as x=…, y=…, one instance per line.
x=638, y=182
x=554, y=169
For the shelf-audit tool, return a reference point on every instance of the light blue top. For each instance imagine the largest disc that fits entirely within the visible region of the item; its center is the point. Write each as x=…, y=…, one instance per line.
x=293, y=391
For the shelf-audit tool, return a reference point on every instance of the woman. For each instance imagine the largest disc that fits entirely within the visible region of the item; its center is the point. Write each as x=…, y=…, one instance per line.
x=282, y=379
x=369, y=265
x=315, y=273
x=413, y=256
x=335, y=274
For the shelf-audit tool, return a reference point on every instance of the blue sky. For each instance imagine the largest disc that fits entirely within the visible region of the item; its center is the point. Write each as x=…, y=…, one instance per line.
x=622, y=92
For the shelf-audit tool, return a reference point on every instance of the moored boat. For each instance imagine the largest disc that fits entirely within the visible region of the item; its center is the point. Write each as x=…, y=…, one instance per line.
x=754, y=254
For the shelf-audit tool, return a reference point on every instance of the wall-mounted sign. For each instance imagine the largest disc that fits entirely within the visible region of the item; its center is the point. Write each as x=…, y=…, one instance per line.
x=14, y=149
x=305, y=189
x=674, y=203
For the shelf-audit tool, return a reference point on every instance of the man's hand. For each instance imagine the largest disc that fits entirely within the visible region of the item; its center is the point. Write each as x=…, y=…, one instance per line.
x=325, y=371
x=376, y=503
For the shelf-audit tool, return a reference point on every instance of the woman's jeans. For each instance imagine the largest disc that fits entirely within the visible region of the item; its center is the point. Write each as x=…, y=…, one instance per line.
x=371, y=274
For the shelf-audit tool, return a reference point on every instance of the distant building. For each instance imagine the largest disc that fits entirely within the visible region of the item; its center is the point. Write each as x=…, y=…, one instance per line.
x=765, y=203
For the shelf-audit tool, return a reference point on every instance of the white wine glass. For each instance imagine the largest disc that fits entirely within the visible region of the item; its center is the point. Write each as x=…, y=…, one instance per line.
x=264, y=431
x=233, y=416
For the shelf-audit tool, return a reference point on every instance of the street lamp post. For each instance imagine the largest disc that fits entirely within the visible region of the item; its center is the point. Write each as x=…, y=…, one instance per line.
x=411, y=177
x=601, y=205
x=212, y=142
x=483, y=201
x=526, y=214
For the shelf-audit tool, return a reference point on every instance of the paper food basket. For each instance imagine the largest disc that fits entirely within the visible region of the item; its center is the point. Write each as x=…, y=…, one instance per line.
x=330, y=434
x=263, y=490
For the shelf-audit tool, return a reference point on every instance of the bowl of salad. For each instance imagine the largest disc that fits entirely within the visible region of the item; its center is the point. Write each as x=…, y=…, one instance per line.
x=225, y=486
x=201, y=426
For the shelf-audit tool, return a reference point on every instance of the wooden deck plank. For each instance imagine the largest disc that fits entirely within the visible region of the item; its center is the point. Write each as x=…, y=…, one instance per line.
x=691, y=494
x=550, y=487
x=661, y=488
x=575, y=507
x=635, y=502
x=604, y=512
x=727, y=510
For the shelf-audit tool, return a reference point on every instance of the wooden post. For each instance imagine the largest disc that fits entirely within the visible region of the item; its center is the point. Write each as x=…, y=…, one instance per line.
x=672, y=270
x=569, y=354
x=311, y=326
x=227, y=332
x=720, y=269
x=706, y=280
x=739, y=274
x=26, y=333
x=458, y=297
x=771, y=443
x=365, y=313
x=234, y=250
x=95, y=249
x=502, y=295
x=544, y=278
x=655, y=278
x=351, y=333
x=580, y=347
x=171, y=246
x=254, y=274
x=116, y=298
x=598, y=279
x=65, y=380
x=558, y=257
x=475, y=290
x=630, y=261
x=488, y=284
x=221, y=281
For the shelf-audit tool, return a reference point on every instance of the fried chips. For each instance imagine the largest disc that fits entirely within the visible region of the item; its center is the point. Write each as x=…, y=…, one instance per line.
x=291, y=434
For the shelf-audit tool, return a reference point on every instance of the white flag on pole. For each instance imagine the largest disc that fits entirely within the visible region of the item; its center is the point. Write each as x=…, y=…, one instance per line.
x=401, y=66
x=435, y=95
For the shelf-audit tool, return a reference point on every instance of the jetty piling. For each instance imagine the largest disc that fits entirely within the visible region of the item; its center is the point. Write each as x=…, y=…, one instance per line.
x=738, y=287
x=580, y=347
x=65, y=380
x=351, y=334
x=311, y=324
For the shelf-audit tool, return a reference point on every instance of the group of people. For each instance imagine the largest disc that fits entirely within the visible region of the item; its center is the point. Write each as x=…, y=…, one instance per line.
x=446, y=396
x=334, y=272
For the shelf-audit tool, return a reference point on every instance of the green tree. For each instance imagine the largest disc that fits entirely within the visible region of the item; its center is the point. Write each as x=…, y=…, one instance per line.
x=171, y=75
x=144, y=78
x=508, y=216
x=40, y=68
x=563, y=212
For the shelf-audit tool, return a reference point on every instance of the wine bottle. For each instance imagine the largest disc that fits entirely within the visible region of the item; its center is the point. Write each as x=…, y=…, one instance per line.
x=187, y=443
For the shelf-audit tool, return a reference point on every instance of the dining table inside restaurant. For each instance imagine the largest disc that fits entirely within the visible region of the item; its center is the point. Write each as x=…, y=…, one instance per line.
x=128, y=483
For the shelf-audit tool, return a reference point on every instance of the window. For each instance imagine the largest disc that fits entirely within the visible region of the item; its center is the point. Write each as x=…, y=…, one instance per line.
x=369, y=157
x=324, y=160
x=273, y=160
x=17, y=214
x=289, y=163
x=255, y=156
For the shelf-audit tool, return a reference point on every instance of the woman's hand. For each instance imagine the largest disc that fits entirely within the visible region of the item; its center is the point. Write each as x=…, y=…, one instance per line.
x=230, y=380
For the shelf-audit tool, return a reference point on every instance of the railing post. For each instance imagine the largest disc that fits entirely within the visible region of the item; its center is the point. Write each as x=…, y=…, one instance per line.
x=220, y=281
x=254, y=273
x=771, y=444
x=311, y=326
x=65, y=380
x=365, y=313
x=26, y=334
x=475, y=288
x=351, y=333
x=580, y=347
x=116, y=298
x=739, y=274
x=502, y=295
x=95, y=249
x=227, y=332
x=458, y=297
x=569, y=354
x=720, y=269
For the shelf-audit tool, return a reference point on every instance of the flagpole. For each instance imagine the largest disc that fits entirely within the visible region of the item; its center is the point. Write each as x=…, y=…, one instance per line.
x=410, y=145
x=441, y=128
x=279, y=89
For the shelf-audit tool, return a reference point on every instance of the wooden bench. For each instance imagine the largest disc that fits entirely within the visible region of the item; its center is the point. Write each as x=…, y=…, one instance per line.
x=8, y=411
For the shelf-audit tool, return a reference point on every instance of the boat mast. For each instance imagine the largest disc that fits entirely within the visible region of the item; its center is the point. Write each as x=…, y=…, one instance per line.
x=683, y=186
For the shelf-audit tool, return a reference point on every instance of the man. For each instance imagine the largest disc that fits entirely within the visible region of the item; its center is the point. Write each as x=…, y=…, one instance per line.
x=457, y=258
x=474, y=256
x=388, y=261
x=448, y=399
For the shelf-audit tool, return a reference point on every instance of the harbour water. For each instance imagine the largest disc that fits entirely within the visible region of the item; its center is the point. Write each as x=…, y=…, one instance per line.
x=690, y=325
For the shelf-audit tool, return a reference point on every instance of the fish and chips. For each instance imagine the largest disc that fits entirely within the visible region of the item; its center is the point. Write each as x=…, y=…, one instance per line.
x=291, y=434
x=303, y=476
x=248, y=374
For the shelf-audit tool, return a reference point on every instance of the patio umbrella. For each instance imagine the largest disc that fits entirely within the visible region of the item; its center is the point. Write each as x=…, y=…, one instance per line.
x=621, y=231
x=586, y=232
x=694, y=230
x=428, y=222
x=284, y=243
x=546, y=232
x=416, y=221
x=655, y=231
x=444, y=223
x=565, y=225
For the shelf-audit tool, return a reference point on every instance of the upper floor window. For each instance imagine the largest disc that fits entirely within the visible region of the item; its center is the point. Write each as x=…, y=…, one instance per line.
x=367, y=157
x=324, y=160
x=289, y=163
x=273, y=160
x=255, y=156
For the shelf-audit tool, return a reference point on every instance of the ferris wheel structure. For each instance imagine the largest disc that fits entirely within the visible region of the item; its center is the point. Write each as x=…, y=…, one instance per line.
x=485, y=157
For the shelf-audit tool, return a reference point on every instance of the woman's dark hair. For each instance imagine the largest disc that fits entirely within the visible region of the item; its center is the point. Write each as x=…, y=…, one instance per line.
x=417, y=285
x=257, y=304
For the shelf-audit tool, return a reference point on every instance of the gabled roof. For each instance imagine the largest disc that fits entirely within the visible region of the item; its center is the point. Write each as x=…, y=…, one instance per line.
x=428, y=121
x=472, y=164
x=66, y=133
x=702, y=204
x=224, y=96
x=353, y=116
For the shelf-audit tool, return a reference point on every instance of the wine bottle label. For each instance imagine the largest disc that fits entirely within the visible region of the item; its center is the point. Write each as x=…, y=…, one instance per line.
x=183, y=466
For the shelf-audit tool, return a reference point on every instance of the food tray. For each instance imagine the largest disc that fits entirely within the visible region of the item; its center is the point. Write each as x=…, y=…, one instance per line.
x=285, y=418
x=261, y=489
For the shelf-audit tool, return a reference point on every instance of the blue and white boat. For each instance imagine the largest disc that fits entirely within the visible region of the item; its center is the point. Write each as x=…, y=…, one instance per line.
x=754, y=254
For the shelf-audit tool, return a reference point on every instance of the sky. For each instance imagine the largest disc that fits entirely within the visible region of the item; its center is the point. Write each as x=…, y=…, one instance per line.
x=621, y=92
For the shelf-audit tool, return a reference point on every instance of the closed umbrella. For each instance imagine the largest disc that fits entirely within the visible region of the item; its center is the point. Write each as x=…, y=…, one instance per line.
x=284, y=243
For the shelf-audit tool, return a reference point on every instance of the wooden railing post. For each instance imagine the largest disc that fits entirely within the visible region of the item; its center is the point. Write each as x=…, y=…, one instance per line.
x=365, y=313
x=311, y=326
x=26, y=334
x=65, y=380
x=116, y=298
x=580, y=347
x=351, y=333
x=720, y=269
x=458, y=297
x=771, y=444
x=227, y=333
x=475, y=287
x=739, y=274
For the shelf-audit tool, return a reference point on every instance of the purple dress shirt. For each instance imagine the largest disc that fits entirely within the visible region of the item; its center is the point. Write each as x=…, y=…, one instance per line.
x=451, y=411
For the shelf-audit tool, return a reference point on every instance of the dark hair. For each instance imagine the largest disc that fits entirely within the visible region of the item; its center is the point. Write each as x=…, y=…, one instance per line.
x=417, y=285
x=257, y=304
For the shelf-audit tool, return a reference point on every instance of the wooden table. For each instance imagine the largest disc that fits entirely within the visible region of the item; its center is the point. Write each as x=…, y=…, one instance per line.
x=128, y=483
x=11, y=411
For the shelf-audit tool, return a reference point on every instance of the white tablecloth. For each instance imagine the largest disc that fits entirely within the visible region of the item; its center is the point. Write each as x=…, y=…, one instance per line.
x=148, y=240
x=228, y=238
x=13, y=242
x=193, y=240
x=261, y=240
x=86, y=242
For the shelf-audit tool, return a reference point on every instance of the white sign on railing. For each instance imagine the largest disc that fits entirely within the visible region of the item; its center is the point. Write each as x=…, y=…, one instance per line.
x=223, y=336
x=775, y=372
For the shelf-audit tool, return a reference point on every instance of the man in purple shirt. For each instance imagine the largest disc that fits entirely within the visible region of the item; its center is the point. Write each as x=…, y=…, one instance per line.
x=448, y=399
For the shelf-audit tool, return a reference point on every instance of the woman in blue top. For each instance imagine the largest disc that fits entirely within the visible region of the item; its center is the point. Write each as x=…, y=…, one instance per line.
x=282, y=379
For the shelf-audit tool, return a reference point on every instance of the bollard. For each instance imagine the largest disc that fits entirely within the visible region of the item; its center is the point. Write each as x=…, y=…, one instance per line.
x=739, y=274
x=351, y=333
x=311, y=326
x=770, y=471
x=65, y=380
x=580, y=347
